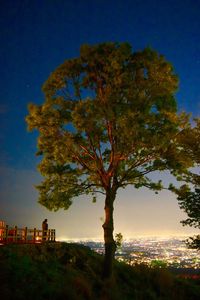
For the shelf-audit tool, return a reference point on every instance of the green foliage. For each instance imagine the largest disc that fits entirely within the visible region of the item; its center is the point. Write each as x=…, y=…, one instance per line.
x=194, y=242
x=108, y=120
x=190, y=202
x=157, y=263
x=118, y=239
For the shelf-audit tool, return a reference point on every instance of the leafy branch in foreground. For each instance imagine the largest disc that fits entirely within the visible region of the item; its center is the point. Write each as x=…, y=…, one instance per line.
x=190, y=203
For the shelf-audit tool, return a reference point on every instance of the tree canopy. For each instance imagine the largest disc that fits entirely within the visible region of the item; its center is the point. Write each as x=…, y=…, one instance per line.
x=109, y=119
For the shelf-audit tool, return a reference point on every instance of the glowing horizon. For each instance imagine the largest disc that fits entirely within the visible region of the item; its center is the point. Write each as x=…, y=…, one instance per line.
x=127, y=238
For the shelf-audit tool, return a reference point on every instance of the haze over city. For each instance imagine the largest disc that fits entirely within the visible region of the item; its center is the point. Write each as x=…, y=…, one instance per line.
x=37, y=36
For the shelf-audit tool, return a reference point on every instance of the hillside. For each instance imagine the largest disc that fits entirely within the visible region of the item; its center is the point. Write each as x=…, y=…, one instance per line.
x=71, y=271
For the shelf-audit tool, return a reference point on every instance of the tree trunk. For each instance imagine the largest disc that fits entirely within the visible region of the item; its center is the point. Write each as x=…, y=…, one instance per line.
x=110, y=246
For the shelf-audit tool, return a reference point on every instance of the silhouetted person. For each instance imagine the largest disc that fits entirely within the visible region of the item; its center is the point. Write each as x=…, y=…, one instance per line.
x=44, y=230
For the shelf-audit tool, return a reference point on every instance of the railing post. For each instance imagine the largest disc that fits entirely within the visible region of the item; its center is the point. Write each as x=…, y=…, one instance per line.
x=25, y=234
x=1, y=232
x=15, y=234
x=6, y=233
x=34, y=235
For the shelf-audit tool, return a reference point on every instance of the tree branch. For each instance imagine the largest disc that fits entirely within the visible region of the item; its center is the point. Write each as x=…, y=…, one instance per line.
x=134, y=166
x=87, y=151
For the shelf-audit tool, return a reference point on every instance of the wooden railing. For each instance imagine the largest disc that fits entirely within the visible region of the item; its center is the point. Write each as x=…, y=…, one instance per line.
x=25, y=235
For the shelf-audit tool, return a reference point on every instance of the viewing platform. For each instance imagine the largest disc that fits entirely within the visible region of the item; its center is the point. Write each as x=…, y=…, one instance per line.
x=15, y=234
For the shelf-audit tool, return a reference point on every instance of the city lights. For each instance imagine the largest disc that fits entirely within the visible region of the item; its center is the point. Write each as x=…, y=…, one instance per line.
x=171, y=252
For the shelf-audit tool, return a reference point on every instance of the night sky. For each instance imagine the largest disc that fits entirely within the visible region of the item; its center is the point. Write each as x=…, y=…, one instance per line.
x=35, y=37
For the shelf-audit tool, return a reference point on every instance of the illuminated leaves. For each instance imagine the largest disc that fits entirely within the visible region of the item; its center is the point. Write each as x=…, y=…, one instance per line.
x=108, y=120
x=190, y=203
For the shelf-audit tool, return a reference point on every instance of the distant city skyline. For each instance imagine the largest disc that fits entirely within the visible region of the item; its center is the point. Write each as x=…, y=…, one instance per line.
x=170, y=252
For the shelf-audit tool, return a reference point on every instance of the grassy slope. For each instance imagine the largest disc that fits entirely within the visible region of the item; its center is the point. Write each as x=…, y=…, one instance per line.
x=71, y=271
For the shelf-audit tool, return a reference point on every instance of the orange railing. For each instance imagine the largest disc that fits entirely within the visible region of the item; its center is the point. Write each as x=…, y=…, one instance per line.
x=25, y=235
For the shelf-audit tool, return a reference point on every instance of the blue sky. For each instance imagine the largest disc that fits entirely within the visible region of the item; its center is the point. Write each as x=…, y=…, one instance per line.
x=37, y=36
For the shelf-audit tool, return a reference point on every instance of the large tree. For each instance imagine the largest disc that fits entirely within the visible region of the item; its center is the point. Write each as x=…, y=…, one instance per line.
x=109, y=119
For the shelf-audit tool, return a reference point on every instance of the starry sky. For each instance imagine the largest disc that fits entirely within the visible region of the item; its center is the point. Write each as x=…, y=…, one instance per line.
x=35, y=37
